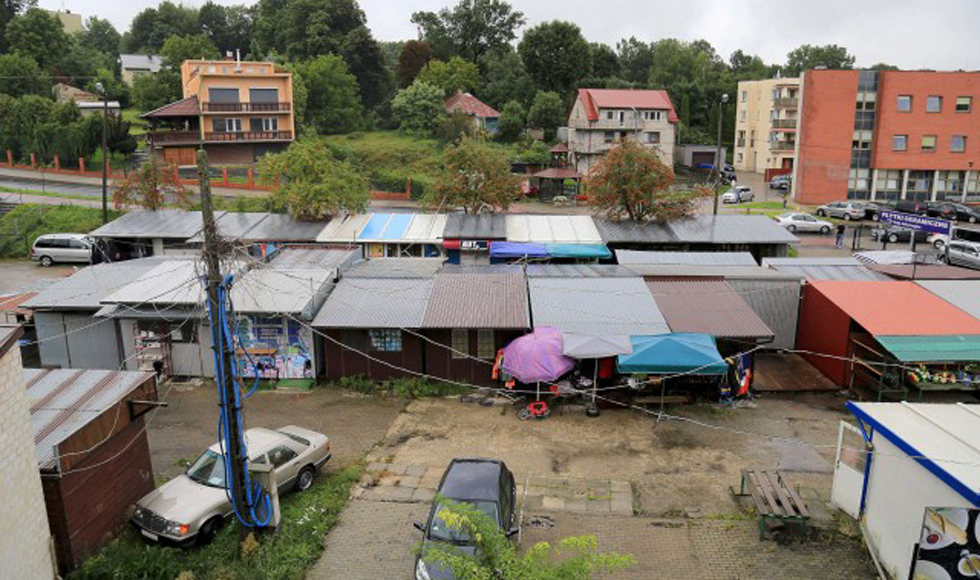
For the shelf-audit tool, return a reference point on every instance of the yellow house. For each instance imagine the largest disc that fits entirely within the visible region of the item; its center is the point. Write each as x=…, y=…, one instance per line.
x=238, y=110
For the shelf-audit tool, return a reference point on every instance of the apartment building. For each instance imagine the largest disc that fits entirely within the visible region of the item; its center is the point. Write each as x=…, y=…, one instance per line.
x=237, y=110
x=765, y=125
x=601, y=119
x=885, y=135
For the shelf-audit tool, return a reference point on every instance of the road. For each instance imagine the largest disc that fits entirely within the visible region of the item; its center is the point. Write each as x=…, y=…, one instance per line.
x=48, y=186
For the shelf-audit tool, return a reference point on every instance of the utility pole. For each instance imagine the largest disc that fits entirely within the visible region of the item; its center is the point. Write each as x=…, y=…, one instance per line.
x=228, y=399
x=718, y=160
x=105, y=159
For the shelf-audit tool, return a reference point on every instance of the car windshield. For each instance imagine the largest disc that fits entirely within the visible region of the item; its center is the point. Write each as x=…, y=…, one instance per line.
x=440, y=531
x=208, y=469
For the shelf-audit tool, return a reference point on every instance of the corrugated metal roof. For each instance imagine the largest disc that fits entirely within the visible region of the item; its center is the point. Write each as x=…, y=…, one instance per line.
x=343, y=228
x=963, y=294
x=396, y=268
x=702, y=229
x=824, y=268
x=65, y=400
x=172, y=282
x=615, y=231
x=578, y=271
x=478, y=301
x=85, y=289
x=707, y=306
x=726, y=272
x=481, y=269
x=313, y=258
x=630, y=257
x=267, y=291
x=475, y=226
x=885, y=256
x=926, y=272
x=425, y=229
x=813, y=261
x=148, y=62
x=595, y=306
x=385, y=227
x=897, y=308
x=376, y=303
x=171, y=224
x=279, y=227
x=923, y=349
x=552, y=228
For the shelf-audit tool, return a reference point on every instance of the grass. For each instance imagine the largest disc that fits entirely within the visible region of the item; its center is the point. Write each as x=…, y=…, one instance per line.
x=14, y=190
x=406, y=388
x=136, y=125
x=285, y=555
x=20, y=227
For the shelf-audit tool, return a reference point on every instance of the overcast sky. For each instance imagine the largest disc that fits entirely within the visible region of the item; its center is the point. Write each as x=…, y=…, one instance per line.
x=936, y=34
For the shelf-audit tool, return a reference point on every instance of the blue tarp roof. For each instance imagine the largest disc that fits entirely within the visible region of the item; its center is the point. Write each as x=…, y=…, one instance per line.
x=517, y=250
x=578, y=251
x=385, y=226
x=673, y=353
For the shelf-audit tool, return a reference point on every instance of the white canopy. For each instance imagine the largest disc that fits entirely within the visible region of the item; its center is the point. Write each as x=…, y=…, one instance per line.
x=582, y=346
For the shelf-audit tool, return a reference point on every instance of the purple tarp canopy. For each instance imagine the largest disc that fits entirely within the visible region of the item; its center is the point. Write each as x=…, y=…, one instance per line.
x=517, y=250
x=537, y=356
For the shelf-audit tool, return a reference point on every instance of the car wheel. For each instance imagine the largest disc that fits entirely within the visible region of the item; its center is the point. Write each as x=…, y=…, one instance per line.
x=825, y=230
x=821, y=213
x=847, y=217
x=972, y=219
x=876, y=217
x=46, y=261
x=791, y=227
x=305, y=478
x=939, y=244
x=893, y=238
x=209, y=530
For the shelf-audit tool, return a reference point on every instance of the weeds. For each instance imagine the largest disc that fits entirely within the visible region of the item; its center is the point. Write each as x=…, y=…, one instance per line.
x=405, y=388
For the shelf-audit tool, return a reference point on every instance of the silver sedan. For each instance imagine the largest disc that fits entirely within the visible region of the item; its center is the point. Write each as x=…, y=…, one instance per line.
x=804, y=222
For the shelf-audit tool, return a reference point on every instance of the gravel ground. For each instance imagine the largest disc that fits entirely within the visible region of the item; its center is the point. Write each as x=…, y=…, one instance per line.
x=26, y=276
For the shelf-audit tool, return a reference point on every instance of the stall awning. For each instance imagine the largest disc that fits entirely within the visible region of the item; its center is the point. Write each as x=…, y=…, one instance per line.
x=516, y=250
x=948, y=348
x=578, y=251
x=583, y=346
x=673, y=353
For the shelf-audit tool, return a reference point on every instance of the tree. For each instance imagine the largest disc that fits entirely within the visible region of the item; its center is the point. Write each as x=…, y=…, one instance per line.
x=547, y=113
x=153, y=26
x=150, y=187
x=420, y=107
x=555, y=54
x=454, y=127
x=749, y=66
x=694, y=75
x=532, y=151
x=635, y=59
x=476, y=176
x=470, y=29
x=455, y=75
x=99, y=34
x=414, y=56
x=228, y=27
x=333, y=104
x=40, y=34
x=883, y=66
x=495, y=556
x=506, y=79
x=312, y=183
x=603, y=61
x=808, y=57
x=13, y=66
x=177, y=49
x=153, y=91
x=366, y=62
x=9, y=9
x=513, y=119
x=631, y=181
x=115, y=89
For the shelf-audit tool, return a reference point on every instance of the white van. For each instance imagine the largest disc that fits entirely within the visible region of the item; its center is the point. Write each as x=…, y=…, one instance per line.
x=51, y=248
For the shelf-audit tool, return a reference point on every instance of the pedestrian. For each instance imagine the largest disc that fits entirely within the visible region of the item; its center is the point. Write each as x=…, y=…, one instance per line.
x=840, y=236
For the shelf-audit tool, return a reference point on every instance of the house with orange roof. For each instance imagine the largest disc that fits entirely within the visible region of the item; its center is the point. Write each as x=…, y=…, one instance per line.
x=601, y=119
x=484, y=117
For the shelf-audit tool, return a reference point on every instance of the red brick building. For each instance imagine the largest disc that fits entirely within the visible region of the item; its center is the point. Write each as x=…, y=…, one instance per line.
x=883, y=135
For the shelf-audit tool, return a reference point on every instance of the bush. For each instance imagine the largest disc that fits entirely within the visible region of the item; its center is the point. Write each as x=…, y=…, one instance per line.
x=405, y=387
x=20, y=227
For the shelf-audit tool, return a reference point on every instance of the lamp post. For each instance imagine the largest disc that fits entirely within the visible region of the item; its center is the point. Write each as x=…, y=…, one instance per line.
x=105, y=159
x=718, y=159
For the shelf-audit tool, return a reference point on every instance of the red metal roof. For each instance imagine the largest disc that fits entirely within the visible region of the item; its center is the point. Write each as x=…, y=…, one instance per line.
x=896, y=308
x=470, y=105
x=559, y=148
x=12, y=302
x=595, y=99
x=559, y=173
x=706, y=306
x=183, y=108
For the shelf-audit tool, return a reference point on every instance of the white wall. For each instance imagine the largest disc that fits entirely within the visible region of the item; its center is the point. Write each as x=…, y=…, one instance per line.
x=899, y=490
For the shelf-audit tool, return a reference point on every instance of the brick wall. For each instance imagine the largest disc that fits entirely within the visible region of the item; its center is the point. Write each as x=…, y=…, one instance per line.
x=24, y=551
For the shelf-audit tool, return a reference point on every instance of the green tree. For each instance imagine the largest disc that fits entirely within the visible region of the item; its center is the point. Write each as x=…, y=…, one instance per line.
x=454, y=127
x=808, y=57
x=547, y=112
x=604, y=63
x=476, y=177
x=506, y=79
x=151, y=187
x=153, y=26
x=228, y=27
x=151, y=92
x=631, y=181
x=40, y=34
x=115, y=89
x=456, y=75
x=470, y=29
x=413, y=57
x=635, y=59
x=312, y=183
x=99, y=34
x=420, y=107
x=531, y=150
x=177, y=49
x=749, y=67
x=15, y=66
x=9, y=9
x=366, y=62
x=333, y=104
x=693, y=75
x=555, y=54
x=513, y=120
x=495, y=556
x=883, y=66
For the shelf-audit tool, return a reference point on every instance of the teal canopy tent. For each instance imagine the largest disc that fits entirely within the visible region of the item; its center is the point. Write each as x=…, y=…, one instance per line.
x=665, y=354
x=578, y=251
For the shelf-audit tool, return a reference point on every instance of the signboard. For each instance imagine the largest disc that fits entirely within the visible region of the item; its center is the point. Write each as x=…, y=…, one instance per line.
x=917, y=222
x=949, y=548
x=474, y=245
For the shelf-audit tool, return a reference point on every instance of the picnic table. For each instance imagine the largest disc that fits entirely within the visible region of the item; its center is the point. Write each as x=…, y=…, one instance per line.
x=774, y=499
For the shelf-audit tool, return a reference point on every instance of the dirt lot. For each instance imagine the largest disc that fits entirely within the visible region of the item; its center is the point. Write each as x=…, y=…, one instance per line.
x=26, y=276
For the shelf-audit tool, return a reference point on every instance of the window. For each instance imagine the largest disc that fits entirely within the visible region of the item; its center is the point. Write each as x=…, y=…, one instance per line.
x=900, y=142
x=964, y=104
x=742, y=116
x=185, y=333
x=485, y=347
x=653, y=137
x=281, y=455
x=958, y=144
x=223, y=95
x=622, y=116
x=866, y=101
x=934, y=104
x=264, y=124
x=740, y=158
x=609, y=136
x=928, y=143
x=862, y=140
x=263, y=99
x=226, y=125
x=904, y=103
x=385, y=339
x=745, y=96
x=460, y=343
x=609, y=115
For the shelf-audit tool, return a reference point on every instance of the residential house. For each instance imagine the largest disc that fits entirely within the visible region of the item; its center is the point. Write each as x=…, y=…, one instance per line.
x=484, y=117
x=88, y=103
x=71, y=22
x=135, y=65
x=601, y=119
x=766, y=117
x=237, y=110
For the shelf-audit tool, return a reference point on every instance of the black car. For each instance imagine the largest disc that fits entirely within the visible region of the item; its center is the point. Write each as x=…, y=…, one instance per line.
x=953, y=211
x=485, y=484
x=898, y=235
x=874, y=209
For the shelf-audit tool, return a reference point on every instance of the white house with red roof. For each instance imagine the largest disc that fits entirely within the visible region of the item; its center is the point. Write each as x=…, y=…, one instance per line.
x=603, y=118
x=485, y=117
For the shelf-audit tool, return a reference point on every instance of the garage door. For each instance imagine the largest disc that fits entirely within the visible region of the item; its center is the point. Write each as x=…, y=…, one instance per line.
x=180, y=155
x=702, y=157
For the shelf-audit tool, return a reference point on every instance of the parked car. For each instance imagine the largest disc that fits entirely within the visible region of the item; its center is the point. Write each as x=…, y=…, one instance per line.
x=938, y=240
x=804, y=222
x=896, y=235
x=846, y=210
x=738, y=194
x=953, y=211
x=962, y=253
x=484, y=484
x=51, y=248
x=781, y=182
x=192, y=507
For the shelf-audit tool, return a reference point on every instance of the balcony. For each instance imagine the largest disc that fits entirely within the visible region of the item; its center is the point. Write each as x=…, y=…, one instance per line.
x=784, y=123
x=246, y=136
x=782, y=145
x=246, y=107
x=174, y=137
x=786, y=103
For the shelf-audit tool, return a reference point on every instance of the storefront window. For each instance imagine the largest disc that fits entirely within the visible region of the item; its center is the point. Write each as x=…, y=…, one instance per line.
x=485, y=344
x=385, y=339
x=460, y=343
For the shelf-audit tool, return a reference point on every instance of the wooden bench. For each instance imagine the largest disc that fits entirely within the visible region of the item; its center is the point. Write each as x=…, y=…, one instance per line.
x=774, y=499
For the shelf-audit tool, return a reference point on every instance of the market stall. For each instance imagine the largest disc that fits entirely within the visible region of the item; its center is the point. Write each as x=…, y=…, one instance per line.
x=677, y=362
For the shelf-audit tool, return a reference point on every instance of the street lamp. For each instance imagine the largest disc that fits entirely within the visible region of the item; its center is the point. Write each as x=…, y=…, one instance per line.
x=105, y=158
x=718, y=159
